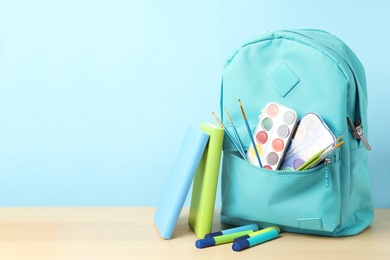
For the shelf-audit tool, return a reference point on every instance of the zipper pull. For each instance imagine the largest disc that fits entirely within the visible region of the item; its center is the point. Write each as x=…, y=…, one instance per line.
x=326, y=162
x=357, y=132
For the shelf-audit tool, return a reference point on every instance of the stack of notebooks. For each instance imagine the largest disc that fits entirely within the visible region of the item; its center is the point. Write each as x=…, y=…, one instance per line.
x=198, y=161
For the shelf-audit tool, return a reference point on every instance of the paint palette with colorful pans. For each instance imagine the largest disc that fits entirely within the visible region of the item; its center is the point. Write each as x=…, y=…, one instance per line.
x=312, y=135
x=272, y=135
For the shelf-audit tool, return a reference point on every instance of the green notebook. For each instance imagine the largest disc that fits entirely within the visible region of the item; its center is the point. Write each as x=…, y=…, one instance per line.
x=205, y=182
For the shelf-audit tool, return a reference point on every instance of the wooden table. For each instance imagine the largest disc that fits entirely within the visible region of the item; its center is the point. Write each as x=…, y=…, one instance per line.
x=130, y=233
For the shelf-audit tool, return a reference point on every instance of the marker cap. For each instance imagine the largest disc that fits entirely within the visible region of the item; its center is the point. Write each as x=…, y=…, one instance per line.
x=241, y=238
x=241, y=245
x=214, y=234
x=206, y=242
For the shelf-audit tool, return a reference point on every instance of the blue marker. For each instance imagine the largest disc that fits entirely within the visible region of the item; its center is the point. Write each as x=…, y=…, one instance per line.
x=253, y=227
x=253, y=241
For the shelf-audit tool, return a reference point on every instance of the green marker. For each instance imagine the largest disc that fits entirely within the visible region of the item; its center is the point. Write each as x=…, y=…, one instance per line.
x=265, y=230
x=218, y=240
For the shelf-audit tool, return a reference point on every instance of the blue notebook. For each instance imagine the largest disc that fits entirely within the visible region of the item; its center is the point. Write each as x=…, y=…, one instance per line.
x=179, y=181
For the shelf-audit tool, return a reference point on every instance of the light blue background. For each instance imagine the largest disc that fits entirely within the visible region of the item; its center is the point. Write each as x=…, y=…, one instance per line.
x=95, y=96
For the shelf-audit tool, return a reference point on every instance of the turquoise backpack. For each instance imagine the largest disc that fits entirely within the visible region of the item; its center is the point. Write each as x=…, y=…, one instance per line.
x=308, y=71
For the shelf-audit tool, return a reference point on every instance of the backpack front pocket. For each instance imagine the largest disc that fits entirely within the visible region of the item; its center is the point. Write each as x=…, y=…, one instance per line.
x=297, y=201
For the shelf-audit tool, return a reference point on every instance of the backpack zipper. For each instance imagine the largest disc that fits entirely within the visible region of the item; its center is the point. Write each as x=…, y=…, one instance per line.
x=357, y=132
x=326, y=162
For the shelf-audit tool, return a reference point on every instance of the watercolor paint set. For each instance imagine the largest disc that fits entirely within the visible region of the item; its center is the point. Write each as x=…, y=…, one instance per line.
x=311, y=136
x=272, y=135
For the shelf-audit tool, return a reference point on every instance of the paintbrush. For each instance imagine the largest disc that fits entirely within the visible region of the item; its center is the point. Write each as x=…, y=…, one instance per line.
x=230, y=137
x=250, y=134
